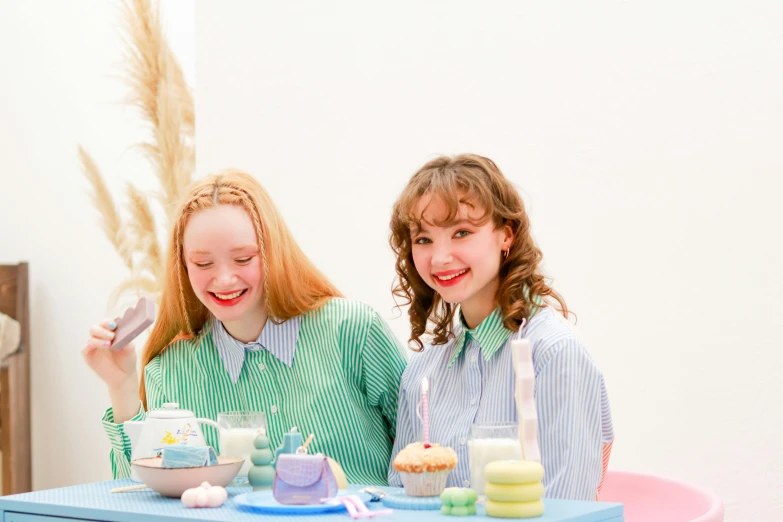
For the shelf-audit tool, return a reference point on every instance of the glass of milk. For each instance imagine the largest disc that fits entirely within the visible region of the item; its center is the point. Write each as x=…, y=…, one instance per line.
x=238, y=430
x=490, y=443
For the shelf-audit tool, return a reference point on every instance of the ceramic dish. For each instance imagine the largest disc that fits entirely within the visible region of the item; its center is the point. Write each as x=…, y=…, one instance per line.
x=172, y=482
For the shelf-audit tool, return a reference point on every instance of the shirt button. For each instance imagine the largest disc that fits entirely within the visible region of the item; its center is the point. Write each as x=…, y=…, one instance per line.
x=472, y=402
x=466, y=483
x=273, y=409
x=262, y=367
x=474, y=359
x=462, y=441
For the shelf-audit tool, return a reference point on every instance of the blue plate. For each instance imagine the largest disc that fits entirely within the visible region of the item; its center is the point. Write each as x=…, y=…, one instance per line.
x=397, y=499
x=264, y=502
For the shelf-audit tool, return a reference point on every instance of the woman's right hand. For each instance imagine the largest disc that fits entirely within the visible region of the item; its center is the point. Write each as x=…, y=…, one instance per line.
x=117, y=368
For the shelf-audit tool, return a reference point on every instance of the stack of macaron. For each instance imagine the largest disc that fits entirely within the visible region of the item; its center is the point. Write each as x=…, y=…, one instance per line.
x=514, y=489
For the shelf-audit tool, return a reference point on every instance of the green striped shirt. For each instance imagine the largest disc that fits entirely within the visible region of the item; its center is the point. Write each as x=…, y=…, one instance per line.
x=343, y=387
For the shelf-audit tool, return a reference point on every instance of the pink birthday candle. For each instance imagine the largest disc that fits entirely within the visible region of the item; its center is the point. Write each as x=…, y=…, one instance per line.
x=425, y=392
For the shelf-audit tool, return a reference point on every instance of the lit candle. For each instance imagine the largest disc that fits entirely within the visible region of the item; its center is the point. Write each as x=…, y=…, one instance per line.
x=425, y=392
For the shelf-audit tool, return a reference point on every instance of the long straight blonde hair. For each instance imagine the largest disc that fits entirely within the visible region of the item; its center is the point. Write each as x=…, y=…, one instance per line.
x=292, y=284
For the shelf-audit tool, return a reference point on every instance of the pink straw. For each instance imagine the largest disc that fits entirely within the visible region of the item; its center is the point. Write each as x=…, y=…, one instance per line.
x=356, y=508
x=425, y=392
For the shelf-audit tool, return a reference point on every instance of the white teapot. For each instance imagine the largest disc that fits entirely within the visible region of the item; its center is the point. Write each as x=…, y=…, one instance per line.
x=162, y=427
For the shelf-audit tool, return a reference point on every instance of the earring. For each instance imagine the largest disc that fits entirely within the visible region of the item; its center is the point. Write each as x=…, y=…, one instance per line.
x=505, y=254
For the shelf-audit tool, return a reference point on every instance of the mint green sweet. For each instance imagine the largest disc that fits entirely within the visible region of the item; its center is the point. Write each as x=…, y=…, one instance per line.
x=262, y=474
x=463, y=511
x=458, y=502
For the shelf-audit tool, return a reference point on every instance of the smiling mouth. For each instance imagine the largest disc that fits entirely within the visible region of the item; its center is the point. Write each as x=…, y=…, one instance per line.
x=228, y=297
x=450, y=276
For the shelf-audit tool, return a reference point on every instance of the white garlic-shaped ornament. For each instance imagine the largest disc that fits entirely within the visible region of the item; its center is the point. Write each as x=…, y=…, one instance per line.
x=204, y=496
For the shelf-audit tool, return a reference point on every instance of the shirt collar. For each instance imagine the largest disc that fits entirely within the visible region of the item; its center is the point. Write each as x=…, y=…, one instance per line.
x=490, y=334
x=277, y=339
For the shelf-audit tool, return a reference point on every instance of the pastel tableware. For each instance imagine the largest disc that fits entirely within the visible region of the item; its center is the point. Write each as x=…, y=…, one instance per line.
x=238, y=431
x=162, y=427
x=264, y=502
x=487, y=444
x=173, y=482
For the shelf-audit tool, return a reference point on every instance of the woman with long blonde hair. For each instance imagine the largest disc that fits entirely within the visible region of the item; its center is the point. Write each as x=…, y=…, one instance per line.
x=469, y=268
x=247, y=322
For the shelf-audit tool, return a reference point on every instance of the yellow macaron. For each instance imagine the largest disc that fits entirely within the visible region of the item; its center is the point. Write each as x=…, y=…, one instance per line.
x=513, y=472
x=514, y=492
x=515, y=509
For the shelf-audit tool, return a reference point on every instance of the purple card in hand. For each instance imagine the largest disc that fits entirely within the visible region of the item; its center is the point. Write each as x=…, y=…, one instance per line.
x=134, y=321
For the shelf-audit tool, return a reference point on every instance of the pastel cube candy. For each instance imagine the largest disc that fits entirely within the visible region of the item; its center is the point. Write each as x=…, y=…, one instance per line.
x=456, y=511
x=458, y=502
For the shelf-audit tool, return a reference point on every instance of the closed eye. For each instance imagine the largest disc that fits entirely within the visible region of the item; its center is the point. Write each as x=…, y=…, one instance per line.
x=203, y=265
x=244, y=260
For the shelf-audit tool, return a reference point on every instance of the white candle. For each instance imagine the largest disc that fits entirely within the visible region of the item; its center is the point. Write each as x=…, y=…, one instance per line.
x=425, y=392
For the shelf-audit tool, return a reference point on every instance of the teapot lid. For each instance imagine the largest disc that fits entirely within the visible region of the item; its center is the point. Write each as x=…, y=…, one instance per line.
x=170, y=410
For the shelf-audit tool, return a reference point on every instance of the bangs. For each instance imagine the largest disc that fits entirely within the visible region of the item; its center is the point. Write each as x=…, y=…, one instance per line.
x=453, y=191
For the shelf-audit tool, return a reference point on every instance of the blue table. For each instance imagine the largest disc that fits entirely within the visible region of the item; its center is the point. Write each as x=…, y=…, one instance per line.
x=94, y=502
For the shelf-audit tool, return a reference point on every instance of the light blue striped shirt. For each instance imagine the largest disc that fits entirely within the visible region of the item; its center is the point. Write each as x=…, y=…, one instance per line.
x=472, y=382
x=277, y=339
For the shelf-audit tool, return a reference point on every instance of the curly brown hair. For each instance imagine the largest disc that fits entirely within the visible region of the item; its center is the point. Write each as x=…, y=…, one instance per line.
x=476, y=181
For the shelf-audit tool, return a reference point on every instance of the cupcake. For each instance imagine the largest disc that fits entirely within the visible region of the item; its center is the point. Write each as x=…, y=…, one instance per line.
x=424, y=470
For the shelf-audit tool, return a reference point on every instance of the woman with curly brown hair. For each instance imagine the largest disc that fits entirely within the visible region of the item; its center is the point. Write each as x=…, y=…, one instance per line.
x=471, y=272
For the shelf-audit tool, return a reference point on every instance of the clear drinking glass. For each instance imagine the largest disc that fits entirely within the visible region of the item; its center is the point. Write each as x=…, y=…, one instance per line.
x=238, y=430
x=489, y=443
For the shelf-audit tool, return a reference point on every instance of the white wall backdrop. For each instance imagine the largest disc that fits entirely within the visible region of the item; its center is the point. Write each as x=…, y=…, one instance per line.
x=644, y=135
x=60, y=87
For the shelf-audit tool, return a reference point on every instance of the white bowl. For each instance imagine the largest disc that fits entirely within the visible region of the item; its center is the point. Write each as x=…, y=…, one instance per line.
x=172, y=482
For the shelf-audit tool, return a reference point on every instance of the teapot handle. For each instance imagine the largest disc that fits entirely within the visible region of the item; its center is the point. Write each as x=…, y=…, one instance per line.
x=210, y=422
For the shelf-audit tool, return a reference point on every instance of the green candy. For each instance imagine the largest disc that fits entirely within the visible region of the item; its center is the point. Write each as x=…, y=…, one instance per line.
x=262, y=474
x=261, y=441
x=458, y=502
x=463, y=511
